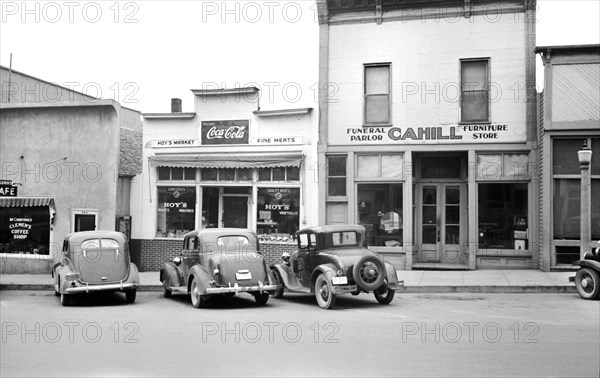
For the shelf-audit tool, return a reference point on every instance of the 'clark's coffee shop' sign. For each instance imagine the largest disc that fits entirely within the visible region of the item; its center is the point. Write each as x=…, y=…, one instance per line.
x=7, y=189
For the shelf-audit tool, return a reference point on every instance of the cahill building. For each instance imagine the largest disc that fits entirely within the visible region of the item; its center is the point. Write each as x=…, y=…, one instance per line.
x=427, y=130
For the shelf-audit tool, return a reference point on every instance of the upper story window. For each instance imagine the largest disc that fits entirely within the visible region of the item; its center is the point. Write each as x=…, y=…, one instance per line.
x=474, y=84
x=175, y=174
x=377, y=94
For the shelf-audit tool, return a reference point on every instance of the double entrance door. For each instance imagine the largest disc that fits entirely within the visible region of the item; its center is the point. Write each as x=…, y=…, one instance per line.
x=441, y=222
x=226, y=207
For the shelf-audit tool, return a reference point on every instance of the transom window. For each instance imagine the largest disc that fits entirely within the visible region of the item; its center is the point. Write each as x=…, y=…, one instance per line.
x=176, y=174
x=279, y=174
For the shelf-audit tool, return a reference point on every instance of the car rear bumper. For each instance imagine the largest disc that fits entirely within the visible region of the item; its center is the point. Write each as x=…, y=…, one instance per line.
x=343, y=289
x=397, y=286
x=123, y=286
x=242, y=289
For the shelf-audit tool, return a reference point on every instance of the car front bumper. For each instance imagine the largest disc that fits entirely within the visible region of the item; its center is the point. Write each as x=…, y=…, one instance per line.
x=86, y=288
x=242, y=289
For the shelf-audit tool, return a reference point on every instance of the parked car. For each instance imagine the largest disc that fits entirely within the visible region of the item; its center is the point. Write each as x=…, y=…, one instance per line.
x=218, y=261
x=333, y=260
x=95, y=261
x=587, y=278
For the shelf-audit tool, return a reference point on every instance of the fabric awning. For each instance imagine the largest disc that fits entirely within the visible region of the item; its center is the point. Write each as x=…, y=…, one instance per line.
x=256, y=160
x=26, y=201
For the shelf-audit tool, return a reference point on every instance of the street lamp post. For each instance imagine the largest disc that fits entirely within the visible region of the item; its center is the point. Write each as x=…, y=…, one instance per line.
x=585, y=157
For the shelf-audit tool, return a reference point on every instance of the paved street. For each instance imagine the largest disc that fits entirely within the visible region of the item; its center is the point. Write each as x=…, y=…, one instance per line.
x=417, y=335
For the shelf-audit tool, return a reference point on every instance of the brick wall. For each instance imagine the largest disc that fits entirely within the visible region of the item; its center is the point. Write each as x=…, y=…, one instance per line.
x=149, y=255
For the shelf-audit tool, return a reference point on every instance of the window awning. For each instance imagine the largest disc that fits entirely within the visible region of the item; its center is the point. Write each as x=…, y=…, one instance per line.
x=256, y=160
x=26, y=201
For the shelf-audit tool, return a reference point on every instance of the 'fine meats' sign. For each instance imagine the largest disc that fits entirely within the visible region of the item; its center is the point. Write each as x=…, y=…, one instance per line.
x=225, y=132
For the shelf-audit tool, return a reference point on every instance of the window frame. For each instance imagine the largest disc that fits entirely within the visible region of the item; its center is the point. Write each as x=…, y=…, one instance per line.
x=366, y=95
x=488, y=76
x=345, y=177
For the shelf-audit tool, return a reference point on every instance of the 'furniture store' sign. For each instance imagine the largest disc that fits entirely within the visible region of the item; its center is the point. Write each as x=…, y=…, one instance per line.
x=225, y=132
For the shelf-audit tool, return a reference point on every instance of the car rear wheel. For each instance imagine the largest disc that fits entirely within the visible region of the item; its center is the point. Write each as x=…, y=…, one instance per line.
x=278, y=281
x=384, y=295
x=197, y=299
x=261, y=298
x=65, y=300
x=130, y=296
x=587, y=283
x=369, y=273
x=324, y=293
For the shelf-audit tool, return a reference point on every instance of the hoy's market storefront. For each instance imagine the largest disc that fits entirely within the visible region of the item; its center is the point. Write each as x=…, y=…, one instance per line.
x=228, y=164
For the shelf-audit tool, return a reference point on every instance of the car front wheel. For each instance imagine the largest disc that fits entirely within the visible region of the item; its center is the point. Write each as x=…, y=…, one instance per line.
x=587, y=283
x=197, y=299
x=56, y=285
x=324, y=293
x=167, y=291
x=278, y=281
x=384, y=295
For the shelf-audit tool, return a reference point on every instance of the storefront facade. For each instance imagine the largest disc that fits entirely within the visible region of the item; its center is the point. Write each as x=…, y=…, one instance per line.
x=228, y=164
x=429, y=140
x=67, y=160
x=569, y=118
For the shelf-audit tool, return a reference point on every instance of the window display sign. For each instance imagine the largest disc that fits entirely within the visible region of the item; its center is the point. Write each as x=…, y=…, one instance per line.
x=176, y=211
x=278, y=210
x=25, y=230
x=225, y=132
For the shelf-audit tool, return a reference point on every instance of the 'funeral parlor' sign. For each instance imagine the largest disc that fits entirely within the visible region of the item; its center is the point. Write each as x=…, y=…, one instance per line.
x=225, y=132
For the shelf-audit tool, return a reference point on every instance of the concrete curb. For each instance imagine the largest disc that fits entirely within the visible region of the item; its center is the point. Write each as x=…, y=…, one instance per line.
x=530, y=289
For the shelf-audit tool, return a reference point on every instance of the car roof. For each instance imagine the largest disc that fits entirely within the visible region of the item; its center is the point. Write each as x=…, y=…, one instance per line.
x=217, y=232
x=333, y=228
x=85, y=235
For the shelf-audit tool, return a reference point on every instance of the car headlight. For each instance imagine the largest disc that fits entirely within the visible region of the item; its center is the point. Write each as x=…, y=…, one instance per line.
x=72, y=276
x=339, y=273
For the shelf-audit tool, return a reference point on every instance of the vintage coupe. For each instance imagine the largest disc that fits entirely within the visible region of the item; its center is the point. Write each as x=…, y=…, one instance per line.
x=218, y=261
x=94, y=261
x=332, y=260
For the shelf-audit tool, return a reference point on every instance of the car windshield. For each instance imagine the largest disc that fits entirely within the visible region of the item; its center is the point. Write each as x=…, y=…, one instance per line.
x=344, y=238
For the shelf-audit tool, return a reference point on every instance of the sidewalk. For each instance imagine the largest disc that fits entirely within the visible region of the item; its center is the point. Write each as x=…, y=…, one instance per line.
x=415, y=281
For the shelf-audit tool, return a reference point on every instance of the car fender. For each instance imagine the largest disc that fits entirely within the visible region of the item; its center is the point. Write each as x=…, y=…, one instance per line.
x=204, y=278
x=134, y=274
x=589, y=263
x=61, y=272
x=169, y=273
x=287, y=275
x=328, y=269
x=390, y=273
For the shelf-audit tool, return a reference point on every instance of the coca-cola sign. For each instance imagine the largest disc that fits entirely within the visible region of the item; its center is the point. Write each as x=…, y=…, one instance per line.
x=225, y=132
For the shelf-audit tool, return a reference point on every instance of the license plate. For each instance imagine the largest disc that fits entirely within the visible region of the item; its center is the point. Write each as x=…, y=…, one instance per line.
x=243, y=276
x=339, y=280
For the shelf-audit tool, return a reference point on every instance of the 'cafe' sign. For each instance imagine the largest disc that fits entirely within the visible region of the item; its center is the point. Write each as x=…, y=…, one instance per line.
x=225, y=132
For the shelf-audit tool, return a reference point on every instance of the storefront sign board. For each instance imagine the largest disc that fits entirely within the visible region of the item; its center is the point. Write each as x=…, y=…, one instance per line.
x=225, y=132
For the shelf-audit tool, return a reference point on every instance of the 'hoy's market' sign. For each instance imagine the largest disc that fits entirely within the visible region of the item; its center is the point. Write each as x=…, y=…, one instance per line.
x=225, y=132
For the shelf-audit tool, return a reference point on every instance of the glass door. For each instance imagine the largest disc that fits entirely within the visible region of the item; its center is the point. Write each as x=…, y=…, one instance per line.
x=235, y=211
x=441, y=222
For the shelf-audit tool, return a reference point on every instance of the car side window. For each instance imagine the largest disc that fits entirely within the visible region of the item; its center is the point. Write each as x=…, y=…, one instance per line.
x=307, y=241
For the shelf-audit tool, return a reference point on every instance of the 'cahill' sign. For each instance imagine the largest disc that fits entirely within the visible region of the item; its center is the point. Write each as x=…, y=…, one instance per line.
x=431, y=134
x=225, y=132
